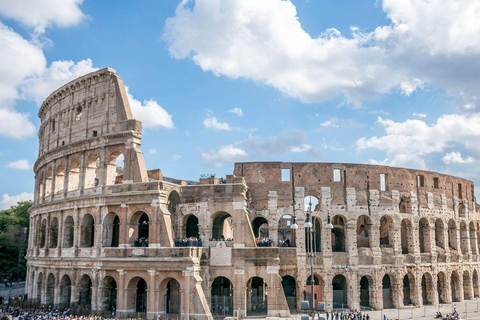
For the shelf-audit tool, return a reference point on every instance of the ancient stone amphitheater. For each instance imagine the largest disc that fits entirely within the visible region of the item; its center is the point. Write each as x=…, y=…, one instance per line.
x=109, y=236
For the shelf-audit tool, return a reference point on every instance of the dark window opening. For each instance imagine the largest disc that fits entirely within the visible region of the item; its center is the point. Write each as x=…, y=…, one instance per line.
x=94, y=133
x=435, y=183
x=420, y=181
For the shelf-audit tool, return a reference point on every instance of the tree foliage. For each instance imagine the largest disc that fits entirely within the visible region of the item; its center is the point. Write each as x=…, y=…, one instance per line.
x=14, y=223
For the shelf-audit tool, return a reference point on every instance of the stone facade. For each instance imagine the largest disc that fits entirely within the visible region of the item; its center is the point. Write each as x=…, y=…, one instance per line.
x=114, y=237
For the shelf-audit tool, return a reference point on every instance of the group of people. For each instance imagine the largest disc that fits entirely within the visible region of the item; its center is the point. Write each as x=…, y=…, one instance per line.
x=264, y=242
x=449, y=316
x=284, y=243
x=348, y=315
x=17, y=313
x=188, y=242
x=142, y=242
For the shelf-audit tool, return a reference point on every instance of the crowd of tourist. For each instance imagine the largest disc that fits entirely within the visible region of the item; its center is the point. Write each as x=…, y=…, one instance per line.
x=188, y=242
x=264, y=242
x=348, y=315
x=284, y=243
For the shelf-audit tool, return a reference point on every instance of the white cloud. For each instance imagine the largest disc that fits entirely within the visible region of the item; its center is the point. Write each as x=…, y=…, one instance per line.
x=329, y=123
x=456, y=157
x=237, y=111
x=150, y=113
x=20, y=165
x=56, y=75
x=10, y=200
x=16, y=125
x=284, y=142
x=213, y=123
x=176, y=157
x=271, y=47
x=227, y=153
x=152, y=151
x=302, y=148
x=41, y=14
x=419, y=115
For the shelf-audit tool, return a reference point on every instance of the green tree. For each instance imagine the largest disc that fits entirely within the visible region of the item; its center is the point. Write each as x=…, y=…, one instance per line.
x=14, y=223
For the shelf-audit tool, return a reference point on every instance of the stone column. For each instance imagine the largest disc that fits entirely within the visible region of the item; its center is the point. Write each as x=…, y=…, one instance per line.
x=152, y=297
x=328, y=293
x=121, y=293
x=351, y=244
x=95, y=290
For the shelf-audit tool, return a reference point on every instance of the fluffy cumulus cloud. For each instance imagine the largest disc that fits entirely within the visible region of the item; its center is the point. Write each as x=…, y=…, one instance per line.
x=42, y=14
x=20, y=165
x=150, y=113
x=213, y=123
x=7, y=200
x=270, y=46
x=237, y=111
x=223, y=154
x=15, y=124
x=408, y=143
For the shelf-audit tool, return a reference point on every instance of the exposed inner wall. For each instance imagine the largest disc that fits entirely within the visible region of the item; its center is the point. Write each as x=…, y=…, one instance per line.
x=429, y=187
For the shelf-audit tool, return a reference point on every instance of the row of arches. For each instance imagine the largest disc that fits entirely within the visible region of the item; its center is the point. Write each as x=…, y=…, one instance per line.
x=63, y=178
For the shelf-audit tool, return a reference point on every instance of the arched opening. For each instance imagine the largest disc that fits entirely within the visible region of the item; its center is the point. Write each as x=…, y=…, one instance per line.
x=285, y=235
x=290, y=290
x=222, y=297
x=115, y=168
x=141, y=296
x=408, y=287
x=38, y=293
x=260, y=228
x=73, y=175
x=404, y=205
x=387, y=292
x=364, y=226
x=365, y=284
x=111, y=230
x=311, y=203
x=65, y=292
x=68, y=232
x=424, y=235
x=92, y=172
x=464, y=237
x=222, y=228
x=108, y=294
x=173, y=297
x=452, y=235
x=50, y=293
x=338, y=234
x=48, y=182
x=455, y=287
x=386, y=234
x=53, y=233
x=173, y=201
x=139, y=229
x=88, y=231
x=406, y=234
x=257, y=297
x=340, y=297
x=476, y=291
x=473, y=240
x=192, y=227
x=427, y=289
x=317, y=289
x=60, y=178
x=442, y=288
x=467, y=286
x=313, y=237
x=439, y=234
x=43, y=233
x=461, y=210
x=85, y=292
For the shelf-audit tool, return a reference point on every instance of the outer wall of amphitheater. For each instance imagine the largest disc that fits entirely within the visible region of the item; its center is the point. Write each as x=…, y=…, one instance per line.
x=109, y=236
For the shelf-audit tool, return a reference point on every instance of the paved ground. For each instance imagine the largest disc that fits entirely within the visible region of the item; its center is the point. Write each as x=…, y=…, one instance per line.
x=18, y=288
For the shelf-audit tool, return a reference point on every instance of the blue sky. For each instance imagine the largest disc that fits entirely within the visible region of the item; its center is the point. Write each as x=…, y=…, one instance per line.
x=383, y=82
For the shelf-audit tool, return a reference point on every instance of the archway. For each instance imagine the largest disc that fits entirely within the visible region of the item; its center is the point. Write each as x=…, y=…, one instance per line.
x=313, y=240
x=476, y=291
x=364, y=226
x=141, y=296
x=442, y=288
x=406, y=236
x=439, y=234
x=365, y=283
x=139, y=229
x=338, y=234
x=285, y=234
x=43, y=233
x=386, y=234
x=222, y=297
x=260, y=227
x=73, y=175
x=257, y=297
x=85, y=292
x=317, y=289
x=192, y=227
x=464, y=237
x=68, y=232
x=222, y=228
x=427, y=289
x=452, y=235
x=473, y=239
x=455, y=287
x=108, y=294
x=53, y=233
x=50, y=292
x=173, y=201
x=88, y=231
x=92, y=172
x=39, y=288
x=48, y=182
x=290, y=290
x=59, y=178
x=111, y=230
x=115, y=168
x=340, y=296
x=387, y=292
x=408, y=287
x=65, y=292
x=173, y=297
x=467, y=286
x=424, y=235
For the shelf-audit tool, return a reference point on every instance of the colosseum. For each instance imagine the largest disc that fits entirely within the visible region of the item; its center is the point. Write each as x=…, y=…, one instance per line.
x=108, y=235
